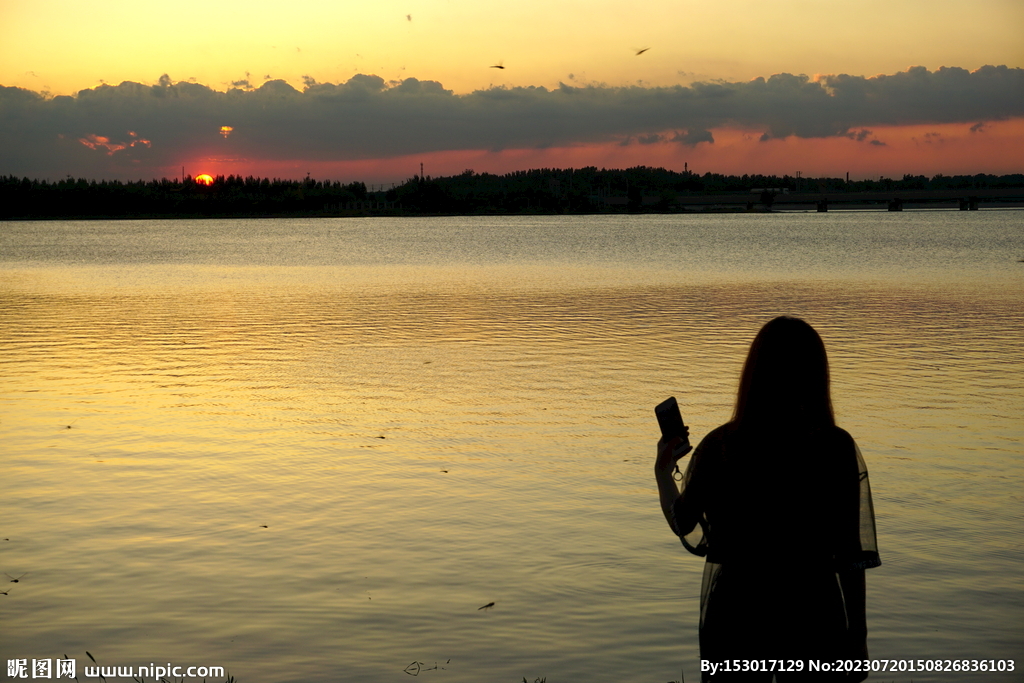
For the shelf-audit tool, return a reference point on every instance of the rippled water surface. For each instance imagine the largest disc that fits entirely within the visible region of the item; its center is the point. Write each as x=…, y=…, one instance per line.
x=310, y=450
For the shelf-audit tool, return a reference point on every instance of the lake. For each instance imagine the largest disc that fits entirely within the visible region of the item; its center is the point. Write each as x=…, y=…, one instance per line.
x=314, y=449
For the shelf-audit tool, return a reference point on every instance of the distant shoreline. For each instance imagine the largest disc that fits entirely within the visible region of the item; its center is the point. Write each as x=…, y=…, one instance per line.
x=586, y=191
x=703, y=204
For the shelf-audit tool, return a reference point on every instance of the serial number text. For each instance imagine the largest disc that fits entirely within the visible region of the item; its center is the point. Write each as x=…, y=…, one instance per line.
x=872, y=665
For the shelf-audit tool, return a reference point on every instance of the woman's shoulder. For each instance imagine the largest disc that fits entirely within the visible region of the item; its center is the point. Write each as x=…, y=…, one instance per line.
x=833, y=435
x=717, y=436
x=841, y=437
x=721, y=432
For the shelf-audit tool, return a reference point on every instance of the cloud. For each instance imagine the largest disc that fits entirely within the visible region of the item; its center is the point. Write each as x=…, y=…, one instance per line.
x=693, y=137
x=98, y=141
x=368, y=118
x=862, y=135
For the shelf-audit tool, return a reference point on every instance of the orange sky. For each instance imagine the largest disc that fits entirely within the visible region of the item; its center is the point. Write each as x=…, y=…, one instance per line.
x=58, y=47
x=65, y=45
x=948, y=149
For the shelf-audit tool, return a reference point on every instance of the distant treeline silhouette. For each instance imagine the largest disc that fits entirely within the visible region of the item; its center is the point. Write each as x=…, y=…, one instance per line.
x=582, y=190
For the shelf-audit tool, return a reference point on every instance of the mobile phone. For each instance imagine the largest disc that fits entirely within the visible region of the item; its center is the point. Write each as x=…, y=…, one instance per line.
x=671, y=422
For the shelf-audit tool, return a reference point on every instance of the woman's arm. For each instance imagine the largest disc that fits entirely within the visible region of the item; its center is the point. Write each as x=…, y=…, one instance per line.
x=668, y=491
x=664, y=466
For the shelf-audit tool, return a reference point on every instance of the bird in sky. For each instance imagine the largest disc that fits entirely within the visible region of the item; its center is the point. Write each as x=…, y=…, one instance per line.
x=499, y=65
x=641, y=51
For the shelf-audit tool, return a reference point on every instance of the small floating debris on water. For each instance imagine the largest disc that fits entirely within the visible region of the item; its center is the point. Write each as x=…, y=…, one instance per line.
x=415, y=668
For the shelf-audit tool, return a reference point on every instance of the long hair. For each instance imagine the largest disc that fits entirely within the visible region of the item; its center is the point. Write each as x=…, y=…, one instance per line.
x=785, y=378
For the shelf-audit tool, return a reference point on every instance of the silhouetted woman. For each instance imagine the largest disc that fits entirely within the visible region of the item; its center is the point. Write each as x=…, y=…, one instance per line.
x=778, y=502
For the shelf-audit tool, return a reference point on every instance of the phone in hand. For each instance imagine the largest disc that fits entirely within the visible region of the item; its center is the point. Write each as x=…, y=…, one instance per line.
x=671, y=422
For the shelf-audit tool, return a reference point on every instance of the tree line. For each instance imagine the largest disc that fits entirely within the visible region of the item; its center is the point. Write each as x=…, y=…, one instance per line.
x=548, y=190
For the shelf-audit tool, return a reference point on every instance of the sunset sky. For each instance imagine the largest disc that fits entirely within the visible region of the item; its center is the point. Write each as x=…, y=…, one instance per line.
x=369, y=90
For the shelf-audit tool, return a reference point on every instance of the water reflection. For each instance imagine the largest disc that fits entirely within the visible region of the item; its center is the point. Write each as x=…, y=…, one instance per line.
x=209, y=401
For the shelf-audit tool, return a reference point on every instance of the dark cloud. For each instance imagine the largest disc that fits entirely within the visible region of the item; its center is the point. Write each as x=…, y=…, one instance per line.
x=651, y=139
x=862, y=135
x=693, y=137
x=367, y=117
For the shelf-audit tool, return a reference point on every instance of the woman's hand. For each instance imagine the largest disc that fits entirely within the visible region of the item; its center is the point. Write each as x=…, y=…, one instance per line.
x=666, y=459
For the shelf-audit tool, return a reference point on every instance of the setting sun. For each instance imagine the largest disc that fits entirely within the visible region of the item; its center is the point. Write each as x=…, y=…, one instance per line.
x=204, y=179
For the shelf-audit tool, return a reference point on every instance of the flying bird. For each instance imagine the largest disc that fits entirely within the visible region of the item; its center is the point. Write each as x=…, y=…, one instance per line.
x=641, y=51
x=499, y=65
x=487, y=606
x=14, y=580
